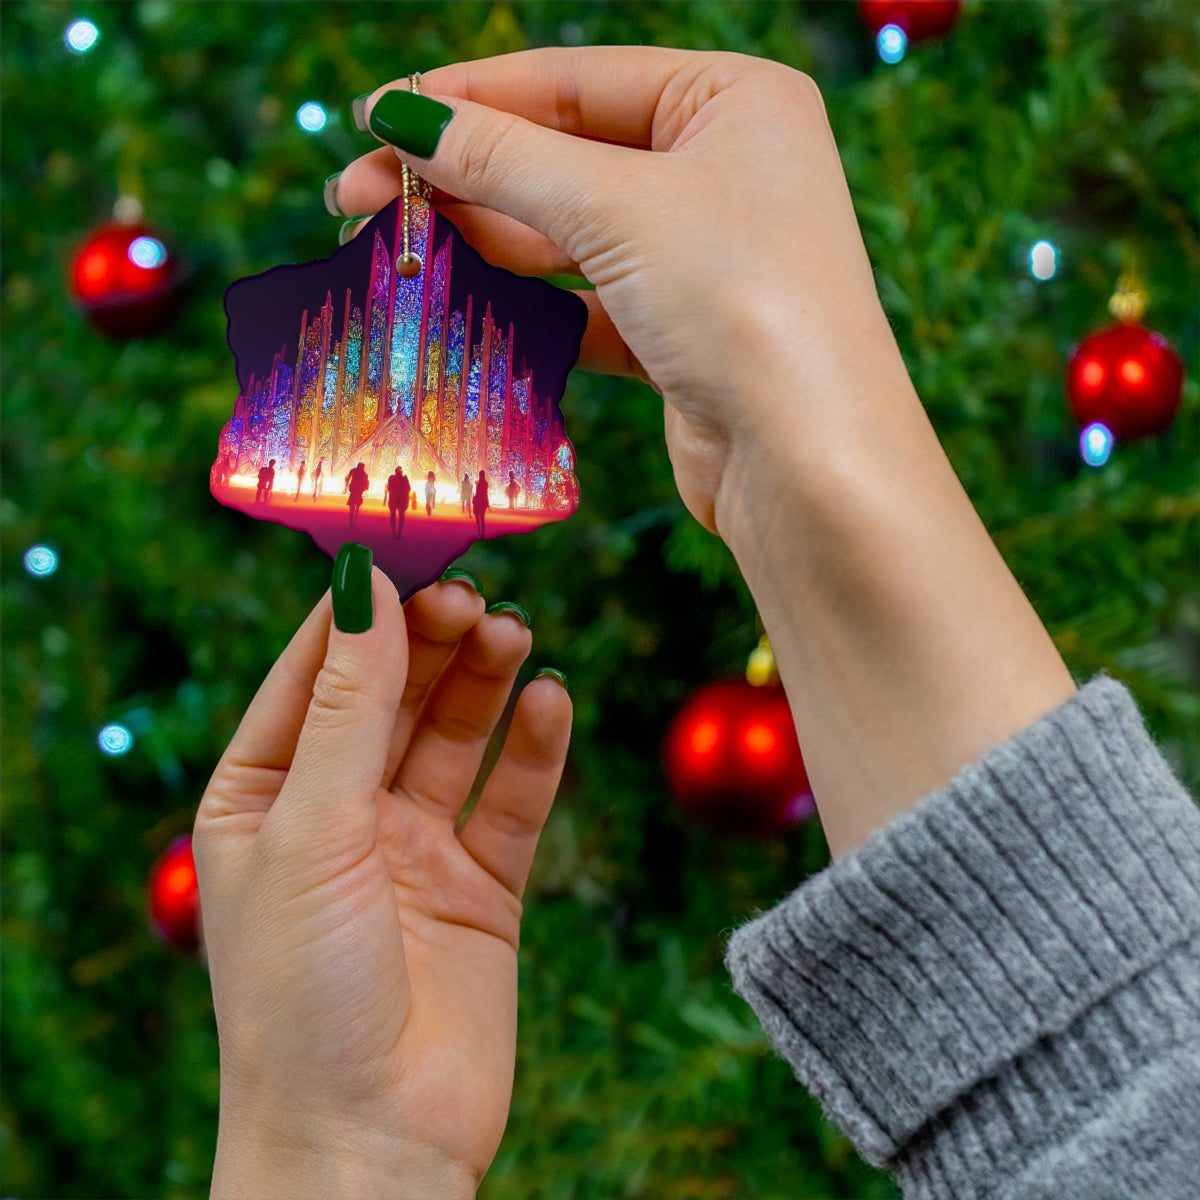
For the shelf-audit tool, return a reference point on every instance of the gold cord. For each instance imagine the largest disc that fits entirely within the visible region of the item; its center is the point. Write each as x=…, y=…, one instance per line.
x=410, y=185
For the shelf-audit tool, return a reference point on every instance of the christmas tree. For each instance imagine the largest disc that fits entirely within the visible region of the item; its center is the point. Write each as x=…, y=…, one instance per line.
x=140, y=616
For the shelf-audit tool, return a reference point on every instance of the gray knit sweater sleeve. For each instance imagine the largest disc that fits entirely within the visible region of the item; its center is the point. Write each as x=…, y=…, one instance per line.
x=998, y=995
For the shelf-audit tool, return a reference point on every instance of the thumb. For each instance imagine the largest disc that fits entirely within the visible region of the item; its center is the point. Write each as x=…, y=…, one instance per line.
x=328, y=799
x=548, y=180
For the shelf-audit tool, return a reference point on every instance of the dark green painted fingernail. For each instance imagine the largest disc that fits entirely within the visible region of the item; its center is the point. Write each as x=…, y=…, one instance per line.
x=458, y=573
x=508, y=606
x=358, y=110
x=329, y=192
x=553, y=674
x=350, y=227
x=414, y=123
x=352, y=608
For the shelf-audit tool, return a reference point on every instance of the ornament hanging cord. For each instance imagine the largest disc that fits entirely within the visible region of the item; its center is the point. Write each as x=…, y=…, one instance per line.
x=412, y=186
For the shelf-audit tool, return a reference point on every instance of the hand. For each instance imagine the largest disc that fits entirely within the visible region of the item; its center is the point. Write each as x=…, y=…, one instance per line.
x=363, y=953
x=704, y=197
x=544, y=167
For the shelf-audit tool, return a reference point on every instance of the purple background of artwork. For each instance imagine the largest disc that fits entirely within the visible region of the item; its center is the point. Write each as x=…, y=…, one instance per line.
x=264, y=310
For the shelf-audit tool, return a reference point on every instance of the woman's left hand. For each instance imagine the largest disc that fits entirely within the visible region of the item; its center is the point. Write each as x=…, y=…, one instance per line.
x=363, y=949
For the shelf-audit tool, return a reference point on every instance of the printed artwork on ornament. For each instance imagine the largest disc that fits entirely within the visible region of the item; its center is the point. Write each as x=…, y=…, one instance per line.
x=415, y=414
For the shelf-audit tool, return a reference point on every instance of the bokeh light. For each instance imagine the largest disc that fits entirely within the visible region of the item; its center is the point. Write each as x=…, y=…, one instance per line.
x=705, y=737
x=147, y=252
x=1043, y=260
x=311, y=117
x=1096, y=444
x=891, y=42
x=115, y=740
x=41, y=561
x=81, y=36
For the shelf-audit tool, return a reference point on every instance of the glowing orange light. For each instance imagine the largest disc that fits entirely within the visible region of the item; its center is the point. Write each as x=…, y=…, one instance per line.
x=1091, y=374
x=178, y=879
x=759, y=739
x=94, y=267
x=705, y=737
x=1132, y=372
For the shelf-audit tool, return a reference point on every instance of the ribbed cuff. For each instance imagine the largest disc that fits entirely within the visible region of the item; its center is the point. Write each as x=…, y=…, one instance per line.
x=998, y=960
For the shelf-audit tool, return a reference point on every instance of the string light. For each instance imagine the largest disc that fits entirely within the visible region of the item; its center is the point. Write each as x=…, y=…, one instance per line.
x=147, y=252
x=115, y=740
x=1043, y=260
x=311, y=117
x=891, y=42
x=1096, y=444
x=81, y=36
x=41, y=561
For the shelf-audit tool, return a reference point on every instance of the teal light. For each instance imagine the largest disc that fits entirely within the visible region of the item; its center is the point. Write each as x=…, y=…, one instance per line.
x=891, y=43
x=1096, y=444
x=311, y=117
x=115, y=740
x=81, y=36
x=147, y=253
x=41, y=561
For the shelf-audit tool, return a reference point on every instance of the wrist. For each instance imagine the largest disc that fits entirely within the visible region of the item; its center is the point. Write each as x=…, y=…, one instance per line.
x=906, y=646
x=827, y=407
x=308, y=1157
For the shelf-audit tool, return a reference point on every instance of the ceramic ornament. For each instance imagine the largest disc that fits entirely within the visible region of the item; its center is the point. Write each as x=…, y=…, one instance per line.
x=409, y=406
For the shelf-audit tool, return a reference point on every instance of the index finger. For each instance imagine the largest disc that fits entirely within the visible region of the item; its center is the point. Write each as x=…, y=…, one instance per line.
x=606, y=93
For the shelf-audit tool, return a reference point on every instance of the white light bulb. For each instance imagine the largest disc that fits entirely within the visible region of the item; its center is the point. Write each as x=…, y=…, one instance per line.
x=1043, y=260
x=81, y=36
x=311, y=117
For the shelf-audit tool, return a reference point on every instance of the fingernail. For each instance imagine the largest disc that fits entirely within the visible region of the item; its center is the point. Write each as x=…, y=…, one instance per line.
x=330, y=194
x=414, y=123
x=454, y=573
x=358, y=110
x=350, y=227
x=352, y=608
x=511, y=608
x=551, y=673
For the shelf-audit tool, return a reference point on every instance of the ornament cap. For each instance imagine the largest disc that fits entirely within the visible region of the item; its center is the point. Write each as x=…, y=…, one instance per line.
x=1128, y=302
x=760, y=667
x=127, y=210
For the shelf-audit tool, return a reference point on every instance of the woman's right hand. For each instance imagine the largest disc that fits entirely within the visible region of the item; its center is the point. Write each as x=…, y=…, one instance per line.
x=703, y=196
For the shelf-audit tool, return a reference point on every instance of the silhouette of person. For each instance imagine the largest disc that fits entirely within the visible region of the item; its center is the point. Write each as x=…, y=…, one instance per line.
x=430, y=493
x=266, y=483
x=481, y=502
x=396, y=499
x=356, y=484
x=466, y=492
x=318, y=476
x=513, y=490
x=299, y=481
x=224, y=469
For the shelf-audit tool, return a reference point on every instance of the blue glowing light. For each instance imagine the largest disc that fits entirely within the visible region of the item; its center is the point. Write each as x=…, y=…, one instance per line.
x=147, y=252
x=1043, y=260
x=1096, y=444
x=891, y=43
x=41, y=561
x=115, y=740
x=81, y=36
x=311, y=117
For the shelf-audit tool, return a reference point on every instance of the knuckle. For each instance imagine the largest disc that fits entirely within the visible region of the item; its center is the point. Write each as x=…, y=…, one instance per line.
x=338, y=693
x=483, y=152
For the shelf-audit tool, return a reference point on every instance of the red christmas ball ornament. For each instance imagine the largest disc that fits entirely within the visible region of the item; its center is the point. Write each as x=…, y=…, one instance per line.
x=920, y=19
x=733, y=761
x=175, y=896
x=1128, y=379
x=127, y=281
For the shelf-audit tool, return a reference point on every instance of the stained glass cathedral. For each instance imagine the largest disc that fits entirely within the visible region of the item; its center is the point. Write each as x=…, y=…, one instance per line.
x=402, y=378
